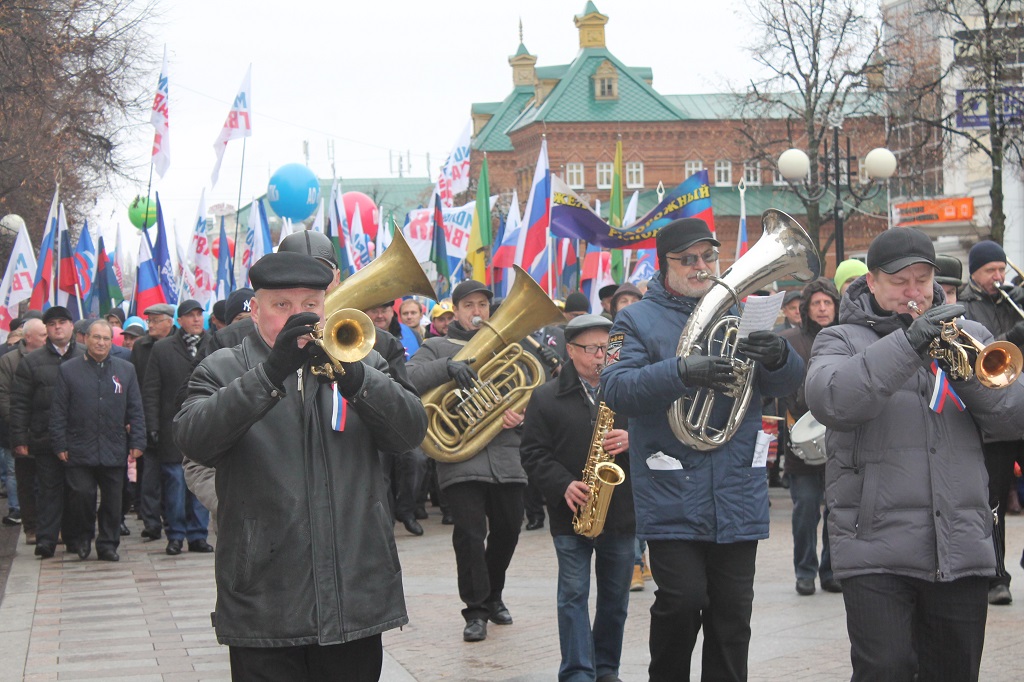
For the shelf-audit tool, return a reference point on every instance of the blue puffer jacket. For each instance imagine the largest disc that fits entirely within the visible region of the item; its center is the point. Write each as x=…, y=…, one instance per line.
x=716, y=496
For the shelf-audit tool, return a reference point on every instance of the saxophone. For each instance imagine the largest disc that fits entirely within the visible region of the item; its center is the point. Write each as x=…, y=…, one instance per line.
x=601, y=474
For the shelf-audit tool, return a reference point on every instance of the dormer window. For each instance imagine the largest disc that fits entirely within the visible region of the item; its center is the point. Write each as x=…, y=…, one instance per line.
x=606, y=82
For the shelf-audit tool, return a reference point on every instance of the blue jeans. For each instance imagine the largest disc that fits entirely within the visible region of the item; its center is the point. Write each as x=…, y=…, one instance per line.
x=589, y=653
x=184, y=514
x=10, y=480
x=808, y=494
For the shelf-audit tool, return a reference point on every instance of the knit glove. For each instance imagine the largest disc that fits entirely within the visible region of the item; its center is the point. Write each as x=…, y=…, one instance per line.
x=928, y=326
x=286, y=357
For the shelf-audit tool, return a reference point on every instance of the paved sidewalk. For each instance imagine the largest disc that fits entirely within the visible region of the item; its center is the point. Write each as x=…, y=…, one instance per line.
x=147, y=617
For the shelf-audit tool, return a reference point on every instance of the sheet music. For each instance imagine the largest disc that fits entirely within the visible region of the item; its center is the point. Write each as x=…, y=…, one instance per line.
x=760, y=313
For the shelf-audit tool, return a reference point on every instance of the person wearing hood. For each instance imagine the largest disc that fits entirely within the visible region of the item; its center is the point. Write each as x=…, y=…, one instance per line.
x=819, y=307
x=702, y=513
x=909, y=523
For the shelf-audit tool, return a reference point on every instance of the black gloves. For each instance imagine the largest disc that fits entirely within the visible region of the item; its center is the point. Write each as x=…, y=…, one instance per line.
x=286, y=357
x=1016, y=294
x=549, y=356
x=765, y=347
x=708, y=372
x=463, y=374
x=1016, y=334
x=153, y=439
x=928, y=326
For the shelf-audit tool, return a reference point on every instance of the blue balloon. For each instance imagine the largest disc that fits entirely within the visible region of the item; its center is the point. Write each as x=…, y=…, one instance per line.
x=294, y=192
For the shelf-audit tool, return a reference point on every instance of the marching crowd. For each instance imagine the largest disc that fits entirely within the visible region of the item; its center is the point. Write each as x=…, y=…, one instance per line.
x=305, y=471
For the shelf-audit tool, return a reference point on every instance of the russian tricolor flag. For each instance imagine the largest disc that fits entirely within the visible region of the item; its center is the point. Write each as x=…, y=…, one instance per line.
x=147, y=279
x=42, y=287
x=532, y=248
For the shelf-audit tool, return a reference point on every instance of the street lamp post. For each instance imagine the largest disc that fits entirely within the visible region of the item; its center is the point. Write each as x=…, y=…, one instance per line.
x=794, y=166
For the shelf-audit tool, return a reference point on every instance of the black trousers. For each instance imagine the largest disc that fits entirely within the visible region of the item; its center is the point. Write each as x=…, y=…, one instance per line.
x=82, y=483
x=360, y=660
x=149, y=491
x=404, y=474
x=533, y=499
x=999, y=459
x=25, y=470
x=488, y=518
x=50, y=499
x=902, y=629
x=701, y=584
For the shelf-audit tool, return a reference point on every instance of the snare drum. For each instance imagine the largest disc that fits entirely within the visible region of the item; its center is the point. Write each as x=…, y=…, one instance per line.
x=807, y=439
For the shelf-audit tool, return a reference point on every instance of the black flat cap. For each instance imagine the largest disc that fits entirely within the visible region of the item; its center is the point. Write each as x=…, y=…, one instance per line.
x=56, y=312
x=188, y=305
x=238, y=303
x=134, y=329
x=577, y=303
x=607, y=291
x=310, y=243
x=951, y=271
x=470, y=286
x=578, y=325
x=792, y=295
x=681, y=234
x=290, y=271
x=898, y=248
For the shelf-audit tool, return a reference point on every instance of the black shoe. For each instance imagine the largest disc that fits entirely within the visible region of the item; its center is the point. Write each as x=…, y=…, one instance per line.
x=609, y=678
x=832, y=585
x=124, y=530
x=412, y=525
x=151, y=533
x=84, y=549
x=447, y=519
x=12, y=519
x=805, y=586
x=173, y=547
x=421, y=513
x=107, y=555
x=475, y=630
x=44, y=551
x=499, y=615
x=535, y=524
x=999, y=595
x=200, y=546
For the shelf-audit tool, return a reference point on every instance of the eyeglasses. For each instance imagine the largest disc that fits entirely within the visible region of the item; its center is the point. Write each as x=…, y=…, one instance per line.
x=690, y=259
x=592, y=349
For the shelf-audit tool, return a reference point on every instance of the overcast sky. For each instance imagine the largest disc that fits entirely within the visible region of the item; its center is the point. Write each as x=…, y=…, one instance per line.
x=395, y=76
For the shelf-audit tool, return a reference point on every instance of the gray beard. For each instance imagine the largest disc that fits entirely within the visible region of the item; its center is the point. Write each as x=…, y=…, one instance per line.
x=687, y=287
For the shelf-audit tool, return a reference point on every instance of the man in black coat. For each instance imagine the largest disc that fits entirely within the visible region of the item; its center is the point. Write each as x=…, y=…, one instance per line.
x=95, y=418
x=31, y=397
x=169, y=367
x=556, y=445
x=160, y=323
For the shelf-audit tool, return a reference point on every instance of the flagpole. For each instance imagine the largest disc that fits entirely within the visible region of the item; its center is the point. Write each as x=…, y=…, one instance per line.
x=78, y=294
x=238, y=210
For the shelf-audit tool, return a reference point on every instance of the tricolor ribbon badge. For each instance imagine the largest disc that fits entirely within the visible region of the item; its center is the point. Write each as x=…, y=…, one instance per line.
x=117, y=385
x=339, y=409
x=942, y=390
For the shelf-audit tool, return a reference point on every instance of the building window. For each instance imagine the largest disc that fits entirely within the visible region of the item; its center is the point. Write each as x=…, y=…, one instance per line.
x=605, y=88
x=723, y=173
x=606, y=81
x=574, y=175
x=634, y=174
x=604, y=175
x=777, y=178
x=693, y=167
x=752, y=172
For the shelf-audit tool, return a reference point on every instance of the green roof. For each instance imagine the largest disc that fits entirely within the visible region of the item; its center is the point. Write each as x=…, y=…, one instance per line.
x=731, y=106
x=521, y=51
x=485, y=107
x=591, y=8
x=573, y=98
x=493, y=138
x=548, y=72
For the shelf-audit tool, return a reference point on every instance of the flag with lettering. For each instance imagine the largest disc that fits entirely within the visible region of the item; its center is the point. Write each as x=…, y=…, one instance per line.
x=17, y=281
x=160, y=118
x=238, y=124
x=200, y=258
x=454, y=176
x=225, y=269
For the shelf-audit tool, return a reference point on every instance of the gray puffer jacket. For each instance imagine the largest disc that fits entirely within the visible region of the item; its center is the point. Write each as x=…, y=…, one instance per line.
x=498, y=461
x=906, y=486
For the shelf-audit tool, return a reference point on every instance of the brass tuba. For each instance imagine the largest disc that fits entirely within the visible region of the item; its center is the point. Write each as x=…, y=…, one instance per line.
x=460, y=423
x=601, y=474
x=784, y=250
x=347, y=334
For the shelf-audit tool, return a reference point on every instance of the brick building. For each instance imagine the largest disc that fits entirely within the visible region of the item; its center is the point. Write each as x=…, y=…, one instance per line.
x=584, y=107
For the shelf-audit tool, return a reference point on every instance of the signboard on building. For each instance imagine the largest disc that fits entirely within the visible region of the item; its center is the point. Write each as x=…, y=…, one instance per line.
x=933, y=211
x=972, y=107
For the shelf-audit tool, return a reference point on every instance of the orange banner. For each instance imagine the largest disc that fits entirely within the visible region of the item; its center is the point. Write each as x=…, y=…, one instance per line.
x=957, y=209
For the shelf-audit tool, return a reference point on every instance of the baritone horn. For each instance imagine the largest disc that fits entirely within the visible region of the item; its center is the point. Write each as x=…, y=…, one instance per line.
x=962, y=356
x=347, y=334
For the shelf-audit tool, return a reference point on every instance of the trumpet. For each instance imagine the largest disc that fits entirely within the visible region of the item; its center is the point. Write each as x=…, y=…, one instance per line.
x=347, y=335
x=962, y=356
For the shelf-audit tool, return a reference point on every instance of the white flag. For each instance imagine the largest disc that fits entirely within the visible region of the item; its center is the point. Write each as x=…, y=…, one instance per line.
x=160, y=118
x=318, y=222
x=201, y=257
x=237, y=124
x=454, y=177
x=18, y=279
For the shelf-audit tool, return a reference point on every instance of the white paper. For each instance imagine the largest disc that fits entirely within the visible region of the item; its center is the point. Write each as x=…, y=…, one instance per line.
x=760, y=313
x=662, y=462
x=764, y=440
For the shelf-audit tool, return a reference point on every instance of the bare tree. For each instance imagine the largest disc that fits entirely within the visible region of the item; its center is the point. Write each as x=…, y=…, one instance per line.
x=819, y=56
x=73, y=81
x=978, y=85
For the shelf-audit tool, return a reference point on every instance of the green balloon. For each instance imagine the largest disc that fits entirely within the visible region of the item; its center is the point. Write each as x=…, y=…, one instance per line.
x=138, y=214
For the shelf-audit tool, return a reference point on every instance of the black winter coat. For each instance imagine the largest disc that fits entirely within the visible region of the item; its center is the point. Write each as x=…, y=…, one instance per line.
x=992, y=312
x=557, y=435
x=93, y=402
x=169, y=367
x=32, y=395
